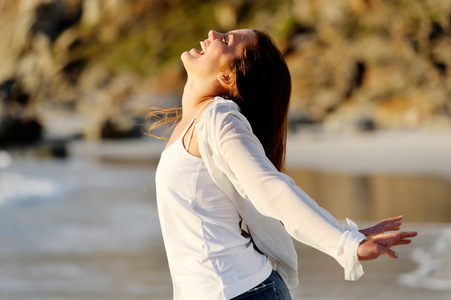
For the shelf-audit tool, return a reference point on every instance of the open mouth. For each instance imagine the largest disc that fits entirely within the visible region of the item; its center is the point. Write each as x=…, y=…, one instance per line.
x=204, y=47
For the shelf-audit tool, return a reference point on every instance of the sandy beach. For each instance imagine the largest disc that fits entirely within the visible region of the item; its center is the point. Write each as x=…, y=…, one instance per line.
x=389, y=152
x=85, y=228
x=393, y=151
x=369, y=134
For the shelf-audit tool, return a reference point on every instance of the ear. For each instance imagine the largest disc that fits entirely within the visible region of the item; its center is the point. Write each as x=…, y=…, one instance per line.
x=226, y=80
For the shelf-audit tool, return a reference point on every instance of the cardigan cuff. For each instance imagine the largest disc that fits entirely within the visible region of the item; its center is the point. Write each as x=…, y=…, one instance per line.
x=349, y=244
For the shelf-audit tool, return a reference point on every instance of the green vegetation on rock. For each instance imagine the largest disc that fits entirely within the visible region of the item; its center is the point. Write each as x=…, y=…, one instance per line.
x=352, y=61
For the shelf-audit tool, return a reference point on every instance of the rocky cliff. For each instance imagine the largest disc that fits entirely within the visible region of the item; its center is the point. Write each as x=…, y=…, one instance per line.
x=99, y=64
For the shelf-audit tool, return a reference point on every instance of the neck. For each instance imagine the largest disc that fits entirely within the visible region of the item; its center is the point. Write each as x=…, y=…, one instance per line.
x=195, y=94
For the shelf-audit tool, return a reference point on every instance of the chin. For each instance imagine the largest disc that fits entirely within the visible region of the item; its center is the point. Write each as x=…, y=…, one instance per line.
x=184, y=58
x=187, y=58
x=187, y=55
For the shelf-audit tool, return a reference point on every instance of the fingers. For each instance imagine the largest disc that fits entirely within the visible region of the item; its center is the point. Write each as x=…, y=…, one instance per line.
x=402, y=242
x=404, y=238
x=391, y=224
x=381, y=243
x=387, y=252
x=412, y=233
x=405, y=234
x=386, y=241
x=393, y=219
x=371, y=249
x=396, y=239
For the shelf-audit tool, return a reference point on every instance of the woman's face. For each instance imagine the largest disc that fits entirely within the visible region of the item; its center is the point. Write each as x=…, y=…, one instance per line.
x=218, y=50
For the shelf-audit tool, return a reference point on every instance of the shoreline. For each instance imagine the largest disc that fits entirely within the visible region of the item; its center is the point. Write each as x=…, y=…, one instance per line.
x=391, y=152
x=68, y=225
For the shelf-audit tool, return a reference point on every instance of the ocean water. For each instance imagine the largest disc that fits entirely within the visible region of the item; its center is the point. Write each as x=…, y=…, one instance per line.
x=83, y=228
x=76, y=229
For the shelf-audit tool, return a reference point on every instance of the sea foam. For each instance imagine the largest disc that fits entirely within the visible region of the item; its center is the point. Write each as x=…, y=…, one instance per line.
x=434, y=264
x=15, y=185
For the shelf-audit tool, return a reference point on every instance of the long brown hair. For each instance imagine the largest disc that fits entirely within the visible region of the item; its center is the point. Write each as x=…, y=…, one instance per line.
x=263, y=94
x=263, y=90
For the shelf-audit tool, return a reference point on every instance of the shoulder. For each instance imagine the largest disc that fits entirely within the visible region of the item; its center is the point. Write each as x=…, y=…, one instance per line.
x=222, y=111
x=222, y=121
x=222, y=105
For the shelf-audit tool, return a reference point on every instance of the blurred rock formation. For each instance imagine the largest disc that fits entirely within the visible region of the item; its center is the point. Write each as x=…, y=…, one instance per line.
x=95, y=66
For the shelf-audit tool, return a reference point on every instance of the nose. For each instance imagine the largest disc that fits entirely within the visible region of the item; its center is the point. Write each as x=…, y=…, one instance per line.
x=213, y=35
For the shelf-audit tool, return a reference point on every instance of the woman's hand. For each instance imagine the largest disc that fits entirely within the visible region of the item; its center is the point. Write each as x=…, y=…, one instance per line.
x=381, y=244
x=391, y=224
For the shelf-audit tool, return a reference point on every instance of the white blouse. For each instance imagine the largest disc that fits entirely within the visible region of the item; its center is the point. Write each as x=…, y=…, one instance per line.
x=264, y=197
x=208, y=256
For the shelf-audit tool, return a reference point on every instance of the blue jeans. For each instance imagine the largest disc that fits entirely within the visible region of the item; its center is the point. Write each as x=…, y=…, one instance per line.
x=273, y=288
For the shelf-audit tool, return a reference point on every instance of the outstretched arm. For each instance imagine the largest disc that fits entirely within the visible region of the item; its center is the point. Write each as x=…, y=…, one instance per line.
x=241, y=158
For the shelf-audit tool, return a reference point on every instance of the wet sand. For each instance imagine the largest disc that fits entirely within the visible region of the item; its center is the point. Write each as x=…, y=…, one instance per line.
x=322, y=278
x=124, y=273
x=100, y=242
x=83, y=228
x=420, y=198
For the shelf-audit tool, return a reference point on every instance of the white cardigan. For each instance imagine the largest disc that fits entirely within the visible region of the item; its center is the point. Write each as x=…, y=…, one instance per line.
x=265, y=197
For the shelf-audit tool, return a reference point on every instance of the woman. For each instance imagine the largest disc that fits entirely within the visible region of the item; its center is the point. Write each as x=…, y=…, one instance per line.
x=222, y=166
